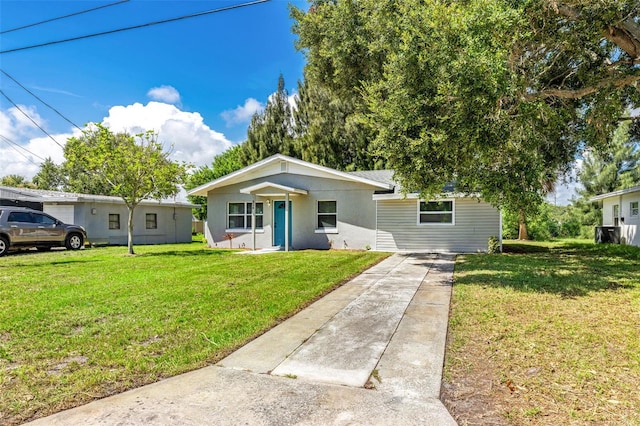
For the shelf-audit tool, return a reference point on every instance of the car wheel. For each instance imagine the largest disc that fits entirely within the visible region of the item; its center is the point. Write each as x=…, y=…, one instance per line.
x=4, y=246
x=74, y=242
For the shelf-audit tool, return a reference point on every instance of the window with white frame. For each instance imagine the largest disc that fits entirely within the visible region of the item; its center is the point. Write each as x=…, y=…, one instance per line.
x=114, y=221
x=239, y=215
x=327, y=214
x=633, y=209
x=435, y=212
x=151, y=221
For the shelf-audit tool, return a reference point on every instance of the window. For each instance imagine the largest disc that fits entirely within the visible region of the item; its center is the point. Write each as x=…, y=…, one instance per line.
x=239, y=215
x=19, y=217
x=114, y=221
x=616, y=215
x=327, y=214
x=44, y=220
x=435, y=212
x=633, y=208
x=151, y=221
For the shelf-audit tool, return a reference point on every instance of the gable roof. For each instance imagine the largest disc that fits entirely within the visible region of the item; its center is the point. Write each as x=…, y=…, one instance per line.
x=615, y=193
x=43, y=196
x=280, y=163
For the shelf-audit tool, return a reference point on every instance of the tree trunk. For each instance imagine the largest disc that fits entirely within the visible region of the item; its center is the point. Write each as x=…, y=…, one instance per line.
x=522, y=226
x=130, y=230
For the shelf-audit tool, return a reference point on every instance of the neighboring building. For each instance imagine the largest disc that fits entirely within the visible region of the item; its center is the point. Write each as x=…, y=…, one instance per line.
x=620, y=209
x=105, y=218
x=286, y=202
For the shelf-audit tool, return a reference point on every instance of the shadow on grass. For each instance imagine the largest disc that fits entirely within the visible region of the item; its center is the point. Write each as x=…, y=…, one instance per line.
x=568, y=269
x=201, y=252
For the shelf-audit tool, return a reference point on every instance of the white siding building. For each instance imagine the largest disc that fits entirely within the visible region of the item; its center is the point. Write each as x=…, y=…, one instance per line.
x=622, y=209
x=289, y=203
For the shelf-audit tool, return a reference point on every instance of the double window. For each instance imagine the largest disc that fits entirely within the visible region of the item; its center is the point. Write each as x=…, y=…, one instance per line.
x=327, y=214
x=436, y=212
x=239, y=215
x=151, y=220
x=114, y=221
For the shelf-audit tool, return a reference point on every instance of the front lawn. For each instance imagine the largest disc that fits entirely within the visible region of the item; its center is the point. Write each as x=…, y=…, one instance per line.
x=75, y=326
x=546, y=334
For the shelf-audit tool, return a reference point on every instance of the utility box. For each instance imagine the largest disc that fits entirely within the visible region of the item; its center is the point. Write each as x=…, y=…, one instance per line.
x=608, y=234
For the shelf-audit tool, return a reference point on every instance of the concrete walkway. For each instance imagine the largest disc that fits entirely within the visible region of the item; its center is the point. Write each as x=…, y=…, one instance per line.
x=369, y=353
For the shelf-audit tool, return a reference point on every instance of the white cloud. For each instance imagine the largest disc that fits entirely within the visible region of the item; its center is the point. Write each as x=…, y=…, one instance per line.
x=185, y=133
x=242, y=113
x=166, y=94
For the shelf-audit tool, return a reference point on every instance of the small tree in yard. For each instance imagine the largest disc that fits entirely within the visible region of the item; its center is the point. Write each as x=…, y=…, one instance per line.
x=134, y=167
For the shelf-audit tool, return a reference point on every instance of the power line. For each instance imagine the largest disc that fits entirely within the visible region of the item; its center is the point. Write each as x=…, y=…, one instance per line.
x=30, y=119
x=11, y=143
x=35, y=96
x=164, y=21
x=63, y=17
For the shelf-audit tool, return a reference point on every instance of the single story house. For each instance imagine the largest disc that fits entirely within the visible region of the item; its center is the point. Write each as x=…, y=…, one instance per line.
x=106, y=218
x=290, y=203
x=620, y=209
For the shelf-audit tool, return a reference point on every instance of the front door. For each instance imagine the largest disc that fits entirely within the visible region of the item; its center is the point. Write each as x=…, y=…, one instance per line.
x=278, y=223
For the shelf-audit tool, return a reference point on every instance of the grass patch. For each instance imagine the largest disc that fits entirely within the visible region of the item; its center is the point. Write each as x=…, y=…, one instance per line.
x=75, y=326
x=547, y=333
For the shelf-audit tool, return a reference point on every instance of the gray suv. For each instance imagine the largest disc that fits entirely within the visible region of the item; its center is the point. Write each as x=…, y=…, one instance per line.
x=23, y=228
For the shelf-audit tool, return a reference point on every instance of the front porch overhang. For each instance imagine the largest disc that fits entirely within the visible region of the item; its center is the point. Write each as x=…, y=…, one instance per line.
x=269, y=190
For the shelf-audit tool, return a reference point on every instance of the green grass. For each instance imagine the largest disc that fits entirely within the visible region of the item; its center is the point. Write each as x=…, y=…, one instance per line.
x=549, y=333
x=75, y=326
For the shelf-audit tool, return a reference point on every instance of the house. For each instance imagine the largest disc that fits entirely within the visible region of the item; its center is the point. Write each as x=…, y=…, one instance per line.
x=290, y=203
x=106, y=218
x=620, y=209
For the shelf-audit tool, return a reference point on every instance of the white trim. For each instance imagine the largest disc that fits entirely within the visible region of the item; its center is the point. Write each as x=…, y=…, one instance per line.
x=414, y=195
x=280, y=190
x=229, y=179
x=453, y=213
x=245, y=215
x=637, y=203
x=329, y=230
x=615, y=193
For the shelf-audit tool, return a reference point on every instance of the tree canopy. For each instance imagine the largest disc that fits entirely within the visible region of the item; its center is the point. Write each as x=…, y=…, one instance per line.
x=499, y=96
x=134, y=167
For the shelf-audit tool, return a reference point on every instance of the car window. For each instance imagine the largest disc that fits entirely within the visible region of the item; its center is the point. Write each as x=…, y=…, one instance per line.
x=19, y=217
x=45, y=220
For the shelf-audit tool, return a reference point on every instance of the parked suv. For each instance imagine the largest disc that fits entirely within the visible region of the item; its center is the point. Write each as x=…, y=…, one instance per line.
x=22, y=227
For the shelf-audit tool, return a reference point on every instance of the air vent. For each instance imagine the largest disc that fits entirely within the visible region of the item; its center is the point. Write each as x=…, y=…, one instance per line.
x=283, y=166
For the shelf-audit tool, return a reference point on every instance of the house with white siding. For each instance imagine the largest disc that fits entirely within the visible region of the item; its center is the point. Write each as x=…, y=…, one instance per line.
x=621, y=210
x=293, y=204
x=105, y=217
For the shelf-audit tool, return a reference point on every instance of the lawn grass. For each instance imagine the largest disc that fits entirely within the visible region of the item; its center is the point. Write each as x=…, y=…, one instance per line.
x=75, y=326
x=547, y=333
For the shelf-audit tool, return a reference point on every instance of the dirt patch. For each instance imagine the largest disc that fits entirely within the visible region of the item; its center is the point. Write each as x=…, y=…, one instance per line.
x=60, y=367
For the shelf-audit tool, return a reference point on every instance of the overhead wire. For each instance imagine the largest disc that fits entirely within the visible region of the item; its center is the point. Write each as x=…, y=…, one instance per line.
x=64, y=16
x=38, y=98
x=149, y=24
x=30, y=119
x=11, y=143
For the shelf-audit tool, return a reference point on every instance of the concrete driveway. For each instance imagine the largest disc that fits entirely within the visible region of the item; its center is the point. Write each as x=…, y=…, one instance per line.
x=369, y=353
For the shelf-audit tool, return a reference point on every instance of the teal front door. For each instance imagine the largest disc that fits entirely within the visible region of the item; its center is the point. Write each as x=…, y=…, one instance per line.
x=278, y=223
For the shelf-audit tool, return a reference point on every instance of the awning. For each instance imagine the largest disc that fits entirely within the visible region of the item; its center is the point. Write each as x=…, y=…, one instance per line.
x=270, y=189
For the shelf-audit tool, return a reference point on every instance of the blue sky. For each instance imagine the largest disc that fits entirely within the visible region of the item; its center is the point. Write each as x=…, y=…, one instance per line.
x=196, y=81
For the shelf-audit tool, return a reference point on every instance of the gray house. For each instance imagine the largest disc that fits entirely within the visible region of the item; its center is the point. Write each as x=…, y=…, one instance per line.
x=290, y=203
x=620, y=209
x=105, y=218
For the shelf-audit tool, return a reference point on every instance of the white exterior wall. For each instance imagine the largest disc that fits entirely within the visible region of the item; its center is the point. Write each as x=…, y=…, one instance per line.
x=355, y=213
x=630, y=227
x=62, y=212
x=398, y=228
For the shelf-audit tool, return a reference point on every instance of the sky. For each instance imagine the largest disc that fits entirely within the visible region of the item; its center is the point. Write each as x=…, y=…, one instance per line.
x=196, y=81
